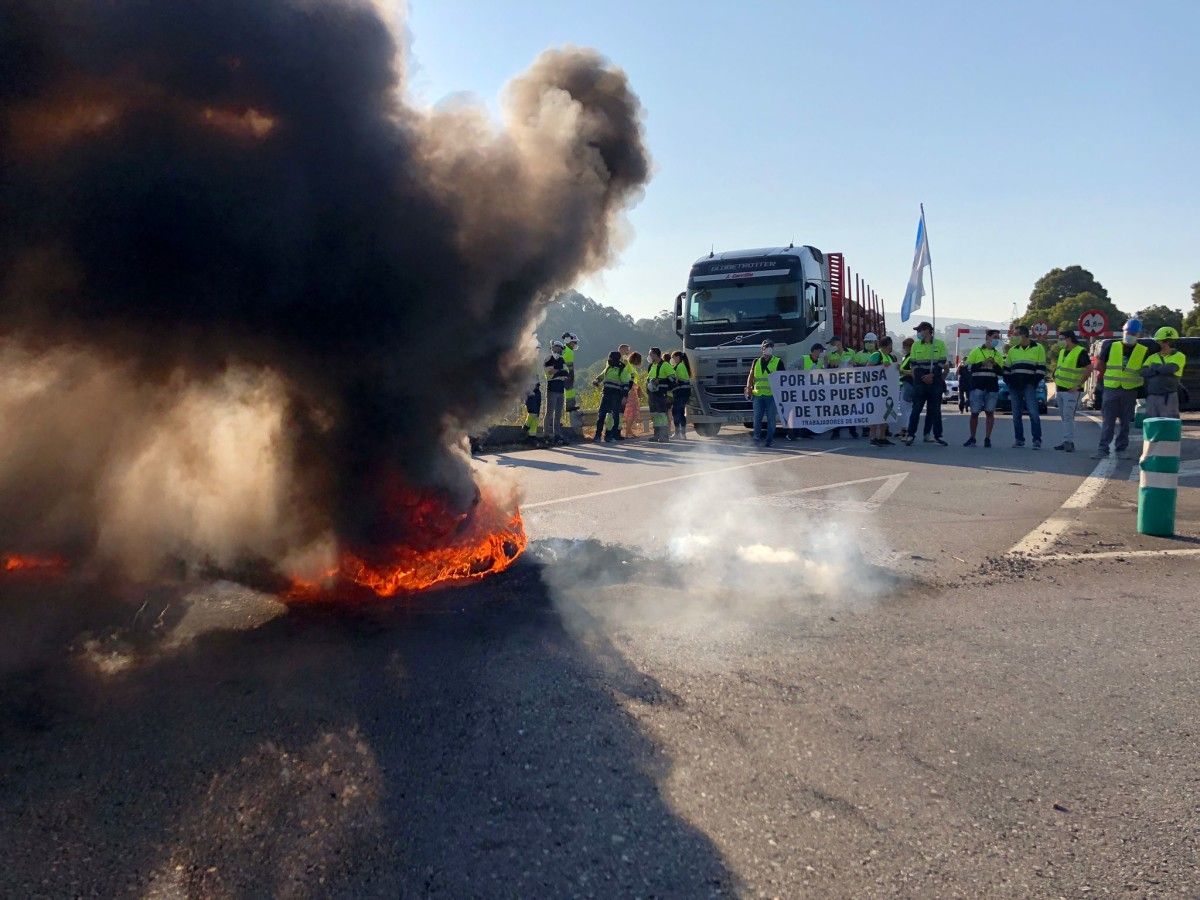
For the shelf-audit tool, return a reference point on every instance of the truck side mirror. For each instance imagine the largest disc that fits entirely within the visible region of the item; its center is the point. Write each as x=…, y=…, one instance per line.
x=679, y=313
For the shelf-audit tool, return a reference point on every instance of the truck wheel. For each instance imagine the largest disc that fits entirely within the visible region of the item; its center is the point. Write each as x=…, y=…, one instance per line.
x=708, y=429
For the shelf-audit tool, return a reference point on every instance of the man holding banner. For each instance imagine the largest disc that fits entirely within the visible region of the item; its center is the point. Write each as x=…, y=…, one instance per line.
x=758, y=386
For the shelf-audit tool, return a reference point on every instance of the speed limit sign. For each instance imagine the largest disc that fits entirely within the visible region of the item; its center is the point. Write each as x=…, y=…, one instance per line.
x=1093, y=323
x=1040, y=328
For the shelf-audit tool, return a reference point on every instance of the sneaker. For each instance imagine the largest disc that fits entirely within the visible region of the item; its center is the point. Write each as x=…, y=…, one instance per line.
x=929, y=438
x=1018, y=443
x=908, y=441
x=969, y=442
x=1100, y=454
x=987, y=442
x=1069, y=446
x=1037, y=445
x=1062, y=446
x=940, y=442
x=876, y=442
x=769, y=444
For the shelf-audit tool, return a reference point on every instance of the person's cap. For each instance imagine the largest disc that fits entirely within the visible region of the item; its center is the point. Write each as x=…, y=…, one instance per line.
x=993, y=332
x=924, y=326
x=870, y=336
x=1133, y=326
x=1023, y=330
x=817, y=347
x=1069, y=335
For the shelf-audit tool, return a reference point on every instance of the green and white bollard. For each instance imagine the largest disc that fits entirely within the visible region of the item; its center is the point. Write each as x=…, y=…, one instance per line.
x=1139, y=413
x=1160, y=476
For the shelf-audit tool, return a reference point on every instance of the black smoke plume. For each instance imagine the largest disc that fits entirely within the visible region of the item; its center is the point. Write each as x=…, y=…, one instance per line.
x=246, y=290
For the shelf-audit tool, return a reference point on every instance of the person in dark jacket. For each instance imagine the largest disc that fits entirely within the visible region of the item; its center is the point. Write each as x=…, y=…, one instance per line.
x=1024, y=369
x=557, y=376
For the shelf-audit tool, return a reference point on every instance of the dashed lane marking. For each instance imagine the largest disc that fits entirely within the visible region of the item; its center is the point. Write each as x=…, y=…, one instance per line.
x=783, y=457
x=796, y=498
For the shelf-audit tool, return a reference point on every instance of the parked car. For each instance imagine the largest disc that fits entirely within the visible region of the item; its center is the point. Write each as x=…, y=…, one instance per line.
x=1189, y=388
x=950, y=391
x=1004, y=402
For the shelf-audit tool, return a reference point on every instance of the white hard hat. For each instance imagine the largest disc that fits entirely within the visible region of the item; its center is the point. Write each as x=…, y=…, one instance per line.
x=870, y=336
x=570, y=336
x=556, y=344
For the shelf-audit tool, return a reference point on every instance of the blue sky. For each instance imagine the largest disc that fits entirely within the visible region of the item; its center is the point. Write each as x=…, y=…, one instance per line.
x=1037, y=134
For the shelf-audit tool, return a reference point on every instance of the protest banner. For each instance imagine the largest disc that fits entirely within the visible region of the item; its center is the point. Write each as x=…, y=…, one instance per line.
x=820, y=399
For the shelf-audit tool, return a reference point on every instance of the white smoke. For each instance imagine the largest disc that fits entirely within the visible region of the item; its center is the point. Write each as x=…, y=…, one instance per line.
x=724, y=554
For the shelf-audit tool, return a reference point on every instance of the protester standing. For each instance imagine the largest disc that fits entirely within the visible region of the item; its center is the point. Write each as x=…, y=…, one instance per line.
x=533, y=411
x=556, y=386
x=1070, y=370
x=660, y=379
x=964, y=385
x=906, y=385
x=616, y=381
x=681, y=394
x=1122, y=377
x=574, y=417
x=1024, y=369
x=838, y=356
x=1163, y=371
x=984, y=365
x=633, y=400
x=927, y=359
x=881, y=357
x=758, y=387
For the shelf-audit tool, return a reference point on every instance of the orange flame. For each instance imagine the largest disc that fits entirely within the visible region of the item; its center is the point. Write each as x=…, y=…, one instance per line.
x=16, y=563
x=455, y=549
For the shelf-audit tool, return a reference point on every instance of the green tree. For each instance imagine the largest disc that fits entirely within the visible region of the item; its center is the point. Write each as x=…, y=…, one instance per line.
x=1059, y=284
x=1155, y=317
x=1191, y=321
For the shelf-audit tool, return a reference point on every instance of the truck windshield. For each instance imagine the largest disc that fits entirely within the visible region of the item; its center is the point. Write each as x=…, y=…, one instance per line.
x=746, y=303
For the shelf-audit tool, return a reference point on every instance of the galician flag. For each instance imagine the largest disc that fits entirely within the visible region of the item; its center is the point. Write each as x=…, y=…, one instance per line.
x=916, y=289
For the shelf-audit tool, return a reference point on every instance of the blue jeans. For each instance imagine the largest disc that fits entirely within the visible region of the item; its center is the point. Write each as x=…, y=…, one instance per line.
x=764, y=406
x=1025, y=400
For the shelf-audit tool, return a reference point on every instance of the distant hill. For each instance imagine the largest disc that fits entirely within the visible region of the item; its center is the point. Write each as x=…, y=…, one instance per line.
x=602, y=329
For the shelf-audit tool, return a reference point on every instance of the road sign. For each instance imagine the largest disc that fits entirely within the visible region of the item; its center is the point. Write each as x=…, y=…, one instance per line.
x=1093, y=323
x=1040, y=328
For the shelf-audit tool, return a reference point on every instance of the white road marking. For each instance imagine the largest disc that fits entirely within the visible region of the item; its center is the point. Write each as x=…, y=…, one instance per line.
x=1188, y=468
x=1115, y=554
x=889, y=486
x=783, y=457
x=1054, y=527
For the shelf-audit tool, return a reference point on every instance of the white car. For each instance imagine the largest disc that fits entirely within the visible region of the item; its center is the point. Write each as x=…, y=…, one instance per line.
x=950, y=391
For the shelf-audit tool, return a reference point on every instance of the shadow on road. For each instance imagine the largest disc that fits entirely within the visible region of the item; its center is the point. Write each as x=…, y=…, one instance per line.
x=473, y=749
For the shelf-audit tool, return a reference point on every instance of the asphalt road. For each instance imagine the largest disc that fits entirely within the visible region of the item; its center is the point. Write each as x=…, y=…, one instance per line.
x=820, y=670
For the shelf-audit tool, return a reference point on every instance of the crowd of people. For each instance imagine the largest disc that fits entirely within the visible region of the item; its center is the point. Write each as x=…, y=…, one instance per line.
x=922, y=365
x=666, y=382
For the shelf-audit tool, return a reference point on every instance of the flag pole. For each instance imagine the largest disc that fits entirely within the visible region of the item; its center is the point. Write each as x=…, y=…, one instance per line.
x=932, y=292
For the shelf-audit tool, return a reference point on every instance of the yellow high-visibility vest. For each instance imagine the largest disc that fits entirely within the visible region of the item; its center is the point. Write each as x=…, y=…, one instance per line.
x=1122, y=372
x=1068, y=374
